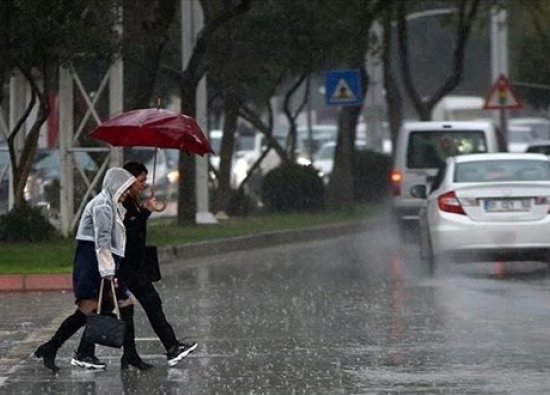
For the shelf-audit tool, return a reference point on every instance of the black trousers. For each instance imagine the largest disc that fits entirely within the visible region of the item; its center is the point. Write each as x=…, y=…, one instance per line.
x=150, y=300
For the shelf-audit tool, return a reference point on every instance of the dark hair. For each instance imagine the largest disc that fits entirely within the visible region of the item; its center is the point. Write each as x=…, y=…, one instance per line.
x=135, y=168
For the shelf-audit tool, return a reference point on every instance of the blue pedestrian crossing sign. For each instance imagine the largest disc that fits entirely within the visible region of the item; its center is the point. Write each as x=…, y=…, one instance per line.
x=343, y=88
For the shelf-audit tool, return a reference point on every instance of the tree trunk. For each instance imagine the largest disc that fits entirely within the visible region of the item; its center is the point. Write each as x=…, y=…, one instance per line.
x=394, y=100
x=340, y=189
x=187, y=203
x=226, y=154
x=22, y=165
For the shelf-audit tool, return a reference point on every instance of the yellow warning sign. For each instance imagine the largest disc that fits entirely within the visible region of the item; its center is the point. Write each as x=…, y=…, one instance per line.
x=501, y=97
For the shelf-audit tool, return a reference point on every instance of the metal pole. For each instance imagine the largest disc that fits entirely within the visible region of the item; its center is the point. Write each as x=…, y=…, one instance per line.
x=116, y=92
x=499, y=59
x=66, y=128
x=192, y=22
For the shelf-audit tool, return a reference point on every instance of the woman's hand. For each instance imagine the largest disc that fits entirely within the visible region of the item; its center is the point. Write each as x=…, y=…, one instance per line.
x=152, y=204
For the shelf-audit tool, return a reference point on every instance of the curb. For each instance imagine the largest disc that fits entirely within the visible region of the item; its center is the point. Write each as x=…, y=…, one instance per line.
x=170, y=254
x=36, y=282
x=261, y=240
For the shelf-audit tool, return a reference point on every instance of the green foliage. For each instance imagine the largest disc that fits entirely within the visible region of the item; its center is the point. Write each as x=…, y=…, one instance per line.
x=55, y=31
x=530, y=44
x=371, y=176
x=25, y=224
x=292, y=187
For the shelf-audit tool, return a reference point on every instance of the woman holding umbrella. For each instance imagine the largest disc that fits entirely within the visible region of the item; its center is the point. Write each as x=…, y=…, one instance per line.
x=134, y=273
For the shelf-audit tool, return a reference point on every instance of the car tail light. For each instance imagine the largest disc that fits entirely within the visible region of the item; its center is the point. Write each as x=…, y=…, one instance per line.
x=449, y=203
x=396, y=178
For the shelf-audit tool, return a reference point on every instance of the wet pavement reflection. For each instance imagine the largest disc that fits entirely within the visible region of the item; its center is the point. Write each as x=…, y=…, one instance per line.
x=350, y=315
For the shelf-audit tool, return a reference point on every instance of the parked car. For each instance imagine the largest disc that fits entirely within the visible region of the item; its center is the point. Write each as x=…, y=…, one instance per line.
x=538, y=125
x=324, y=158
x=486, y=207
x=215, y=138
x=246, y=150
x=320, y=134
x=421, y=149
x=46, y=171
x=519, y=138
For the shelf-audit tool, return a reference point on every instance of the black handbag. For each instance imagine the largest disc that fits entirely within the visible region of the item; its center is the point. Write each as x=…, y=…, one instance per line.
x=152, y=267
x=107, y=330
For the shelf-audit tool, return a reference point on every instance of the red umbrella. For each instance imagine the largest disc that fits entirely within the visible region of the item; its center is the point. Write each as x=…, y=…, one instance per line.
x=154, y=127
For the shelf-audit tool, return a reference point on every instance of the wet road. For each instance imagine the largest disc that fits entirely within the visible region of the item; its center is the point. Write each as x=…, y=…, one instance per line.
x=350, y=315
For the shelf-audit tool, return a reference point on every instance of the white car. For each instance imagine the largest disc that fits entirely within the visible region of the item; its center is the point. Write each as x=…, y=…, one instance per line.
x=486, y=207
x=540, y=126
x=324, y=158
x=519, y=138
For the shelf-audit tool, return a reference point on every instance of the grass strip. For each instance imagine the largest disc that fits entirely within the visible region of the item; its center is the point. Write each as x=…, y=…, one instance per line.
x=56, y=256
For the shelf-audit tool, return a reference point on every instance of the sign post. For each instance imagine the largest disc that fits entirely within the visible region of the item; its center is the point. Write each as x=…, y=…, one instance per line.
x=502, y=98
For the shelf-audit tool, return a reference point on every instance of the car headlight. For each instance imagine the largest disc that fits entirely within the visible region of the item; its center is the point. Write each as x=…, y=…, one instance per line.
x=173, y=176
x=303, y=161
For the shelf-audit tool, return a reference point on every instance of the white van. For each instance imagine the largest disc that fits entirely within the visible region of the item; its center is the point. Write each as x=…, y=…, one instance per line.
x=422, y=148
x=459, y=108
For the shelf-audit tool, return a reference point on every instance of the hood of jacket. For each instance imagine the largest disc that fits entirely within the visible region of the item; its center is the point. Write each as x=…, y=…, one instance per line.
x=116, y=181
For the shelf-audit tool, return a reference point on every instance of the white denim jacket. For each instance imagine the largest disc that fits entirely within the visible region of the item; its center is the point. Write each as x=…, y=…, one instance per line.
x=101, y=221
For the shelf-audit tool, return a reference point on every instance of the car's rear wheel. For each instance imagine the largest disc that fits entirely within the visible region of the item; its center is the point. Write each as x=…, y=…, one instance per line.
x=430, y=263
x=426, y=254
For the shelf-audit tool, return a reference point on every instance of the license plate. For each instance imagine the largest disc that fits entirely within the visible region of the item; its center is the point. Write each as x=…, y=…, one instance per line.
x=507, y=205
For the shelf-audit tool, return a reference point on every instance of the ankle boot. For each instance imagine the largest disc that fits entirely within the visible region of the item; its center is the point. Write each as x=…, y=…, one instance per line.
x=69, y=327
x=47, y=351
x=130, y=355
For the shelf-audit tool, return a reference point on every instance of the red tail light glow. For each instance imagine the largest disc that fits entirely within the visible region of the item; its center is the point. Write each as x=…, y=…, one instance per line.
x=396, y=178
x=449, y=203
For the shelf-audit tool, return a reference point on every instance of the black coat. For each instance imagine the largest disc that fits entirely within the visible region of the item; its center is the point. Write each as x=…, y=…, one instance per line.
x=132, y=269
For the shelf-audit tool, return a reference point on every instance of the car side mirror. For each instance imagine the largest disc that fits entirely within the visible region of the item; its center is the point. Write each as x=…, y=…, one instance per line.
x=419, y=191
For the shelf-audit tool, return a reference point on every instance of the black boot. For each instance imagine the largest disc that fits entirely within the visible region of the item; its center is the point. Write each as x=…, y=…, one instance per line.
x=69, y=327
x=130, y=355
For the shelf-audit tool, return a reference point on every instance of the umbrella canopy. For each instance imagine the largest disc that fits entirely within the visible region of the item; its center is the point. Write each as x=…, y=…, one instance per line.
x=154, y=127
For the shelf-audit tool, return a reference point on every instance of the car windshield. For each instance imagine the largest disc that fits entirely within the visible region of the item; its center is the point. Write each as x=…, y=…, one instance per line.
x=215, y=143
x=245, y=143
x=429, y=149
x=521, y=136
x=326, y=152
x=502, y=170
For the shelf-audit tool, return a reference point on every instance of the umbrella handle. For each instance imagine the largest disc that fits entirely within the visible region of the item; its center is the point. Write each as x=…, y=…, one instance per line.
x=160, y=206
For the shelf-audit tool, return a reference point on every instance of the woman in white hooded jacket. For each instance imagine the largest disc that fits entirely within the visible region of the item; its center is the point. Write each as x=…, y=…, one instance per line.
x=101, y=240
